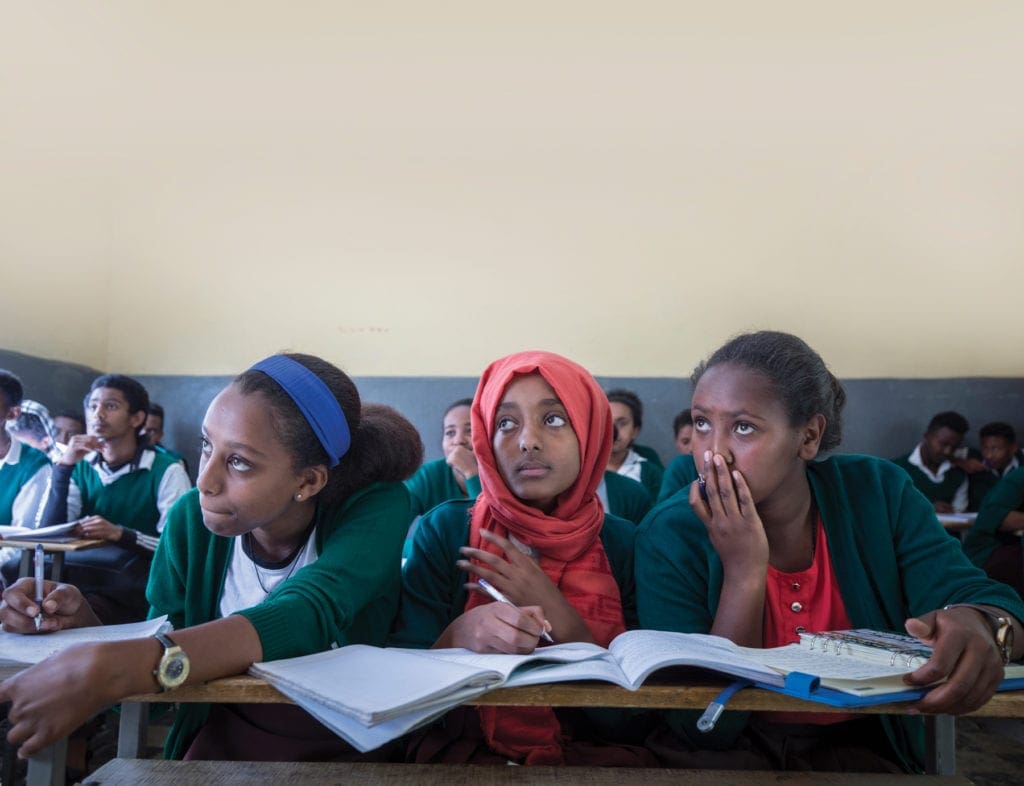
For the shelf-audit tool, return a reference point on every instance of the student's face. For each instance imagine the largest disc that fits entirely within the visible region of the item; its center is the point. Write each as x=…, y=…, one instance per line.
x=736, y=413
x=997, y=452
x=535, y=447
x=65, y=428
x=622, y=417
x=457, y=431
x=154, y=429
x=684, y=440
x=939, y=445
x=245, y=473
x=107, y=415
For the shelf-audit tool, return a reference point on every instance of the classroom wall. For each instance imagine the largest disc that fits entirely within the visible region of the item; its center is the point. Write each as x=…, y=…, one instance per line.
x=414, y=189
x=883, y=417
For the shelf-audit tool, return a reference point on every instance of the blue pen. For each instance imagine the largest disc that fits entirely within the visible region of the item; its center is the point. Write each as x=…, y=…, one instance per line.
x=39, y=583
x=702, y=486
x=498, y=596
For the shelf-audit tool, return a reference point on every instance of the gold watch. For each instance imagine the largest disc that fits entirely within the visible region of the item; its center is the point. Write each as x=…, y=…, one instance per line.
x=173, y=668
x=1002, y=627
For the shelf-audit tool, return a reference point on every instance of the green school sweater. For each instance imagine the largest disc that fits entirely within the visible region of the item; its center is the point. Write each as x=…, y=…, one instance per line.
x=14, y=476
x=649, y=453
x=887, y=548
x=130, y=501
x=435, y=483
x=935, y=492
x=348, y=596
x=680, y=473
x=984, y=537
x=627, y=499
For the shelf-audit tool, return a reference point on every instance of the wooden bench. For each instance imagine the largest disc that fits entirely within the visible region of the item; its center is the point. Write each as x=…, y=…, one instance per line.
x=140, y=772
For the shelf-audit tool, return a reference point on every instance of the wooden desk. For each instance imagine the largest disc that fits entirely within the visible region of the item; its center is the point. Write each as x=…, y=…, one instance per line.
x=57, y=548
x=696, y=693
x=130, y=772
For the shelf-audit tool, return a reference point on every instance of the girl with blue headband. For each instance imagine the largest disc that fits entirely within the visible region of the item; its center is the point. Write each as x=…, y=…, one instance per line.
x=289, y=544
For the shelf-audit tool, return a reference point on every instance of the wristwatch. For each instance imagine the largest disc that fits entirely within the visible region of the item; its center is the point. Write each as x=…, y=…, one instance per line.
x=1002, y=628
x=172, y=670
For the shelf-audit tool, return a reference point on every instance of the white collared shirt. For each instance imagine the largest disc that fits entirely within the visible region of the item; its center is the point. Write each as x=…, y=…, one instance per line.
x=30, y=501
x=959, y=502
x=631, y=465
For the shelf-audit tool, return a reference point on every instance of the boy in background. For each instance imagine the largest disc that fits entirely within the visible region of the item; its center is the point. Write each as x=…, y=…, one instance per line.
x=930, y=465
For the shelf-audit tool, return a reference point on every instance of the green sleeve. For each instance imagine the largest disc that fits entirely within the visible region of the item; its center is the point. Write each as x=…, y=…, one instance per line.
x=1006, y=497
x=473, y=487
x=359, y=563
x=166, y=590
x=679, y=474
x=432, y=591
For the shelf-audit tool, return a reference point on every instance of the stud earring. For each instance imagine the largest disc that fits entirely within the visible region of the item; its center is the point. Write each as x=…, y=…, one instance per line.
x=298, y=497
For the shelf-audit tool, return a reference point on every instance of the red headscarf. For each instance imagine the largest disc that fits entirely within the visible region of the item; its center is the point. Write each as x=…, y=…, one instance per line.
x=568, y=539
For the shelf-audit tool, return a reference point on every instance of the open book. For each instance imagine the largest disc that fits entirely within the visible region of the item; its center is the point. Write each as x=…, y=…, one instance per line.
x=385, y=692
x=52, y=532
x=29, y=648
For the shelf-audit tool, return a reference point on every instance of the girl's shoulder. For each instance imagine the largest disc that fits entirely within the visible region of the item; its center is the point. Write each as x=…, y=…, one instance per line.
x=672, y=518
x=852, y=470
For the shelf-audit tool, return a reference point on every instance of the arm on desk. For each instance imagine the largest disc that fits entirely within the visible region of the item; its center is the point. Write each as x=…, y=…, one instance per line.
x=63, y=607
x=54, y=697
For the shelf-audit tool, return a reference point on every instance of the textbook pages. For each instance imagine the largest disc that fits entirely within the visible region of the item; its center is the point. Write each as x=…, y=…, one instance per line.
x=52, y=532
x=370, y=695
x=29, y=648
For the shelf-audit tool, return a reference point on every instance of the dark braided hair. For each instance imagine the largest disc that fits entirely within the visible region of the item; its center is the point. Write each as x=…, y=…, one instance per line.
x=801, y=379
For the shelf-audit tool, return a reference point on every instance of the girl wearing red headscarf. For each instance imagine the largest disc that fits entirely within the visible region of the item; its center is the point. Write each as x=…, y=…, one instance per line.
x=542, y=432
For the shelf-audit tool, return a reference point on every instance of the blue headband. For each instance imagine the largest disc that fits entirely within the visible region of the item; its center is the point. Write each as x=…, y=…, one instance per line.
x=314, y=400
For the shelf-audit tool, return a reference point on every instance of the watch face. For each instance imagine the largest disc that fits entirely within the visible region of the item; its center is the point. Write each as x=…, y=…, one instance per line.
x=173, y=669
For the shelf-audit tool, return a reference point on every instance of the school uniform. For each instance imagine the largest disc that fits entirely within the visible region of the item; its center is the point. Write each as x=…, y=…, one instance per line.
x=886, y=548
x=999, y=553
x=435, y=483
x=981, y=483
x=679, y=474
x=347, y=595
x=137, y=497
x=623, y=497
x=947, y=484
x=24, y=480
x=173, y=454
x=650, y=454
x=645, y=472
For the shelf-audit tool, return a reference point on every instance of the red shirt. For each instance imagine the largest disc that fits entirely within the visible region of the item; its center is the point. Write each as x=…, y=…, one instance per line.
x=805, y=600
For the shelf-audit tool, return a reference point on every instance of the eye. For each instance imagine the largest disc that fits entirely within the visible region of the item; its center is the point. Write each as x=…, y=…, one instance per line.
x=743, y=428
x=555, y=420
x=506, y=424
x=239, y=464
x=205, y=446
x=450, y=433
x=701, y=424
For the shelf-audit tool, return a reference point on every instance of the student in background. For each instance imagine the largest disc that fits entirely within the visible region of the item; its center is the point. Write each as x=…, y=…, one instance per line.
x=65, y=426
x=288, y=545
x=931, y=467
x=681, y=471
x=153, y=431
x=784, y=543
x=993, y=542
x=999, y=458
x=623, y=497
x=454, y=476
x=34, y=427
x=121, y=490
x=628, y=417
x=542, y=432
x=682, y=427
x=24, y=471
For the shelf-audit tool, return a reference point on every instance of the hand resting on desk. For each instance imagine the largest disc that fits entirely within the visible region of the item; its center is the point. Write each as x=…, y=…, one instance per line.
x=965, y=655
x=63, y=607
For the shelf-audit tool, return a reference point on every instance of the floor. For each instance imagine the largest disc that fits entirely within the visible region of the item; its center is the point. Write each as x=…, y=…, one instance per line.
x=990, y=751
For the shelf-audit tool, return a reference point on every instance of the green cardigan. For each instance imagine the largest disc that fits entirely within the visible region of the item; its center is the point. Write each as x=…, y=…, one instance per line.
x=627, y=499
x=435, y=483
x=14, y=476
x=943, y=491
x=888, y=550
x=433, y=591
x=349, y=595
x=680, y=473
x=984, y=537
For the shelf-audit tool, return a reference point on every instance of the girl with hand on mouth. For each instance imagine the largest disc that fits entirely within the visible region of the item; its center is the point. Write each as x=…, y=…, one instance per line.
x=542, y=433
x=779, y=543
x=454, y=476
x=290, y=544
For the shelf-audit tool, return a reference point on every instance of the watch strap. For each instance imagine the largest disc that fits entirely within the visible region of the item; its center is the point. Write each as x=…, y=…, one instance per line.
x=1002, y=627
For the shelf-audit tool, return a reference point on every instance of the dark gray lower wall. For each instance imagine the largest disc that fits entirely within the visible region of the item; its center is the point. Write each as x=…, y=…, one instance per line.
x=883, y=417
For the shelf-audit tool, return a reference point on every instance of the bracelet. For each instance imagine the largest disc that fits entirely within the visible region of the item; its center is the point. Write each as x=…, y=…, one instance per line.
x=1002, y=627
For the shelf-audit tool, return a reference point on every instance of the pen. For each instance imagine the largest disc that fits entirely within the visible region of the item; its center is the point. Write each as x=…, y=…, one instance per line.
x=702, y=483
x=494, y=593
x=39, y=583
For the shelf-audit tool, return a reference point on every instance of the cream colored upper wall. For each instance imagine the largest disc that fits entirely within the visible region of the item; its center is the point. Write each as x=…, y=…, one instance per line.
x=413, y=188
